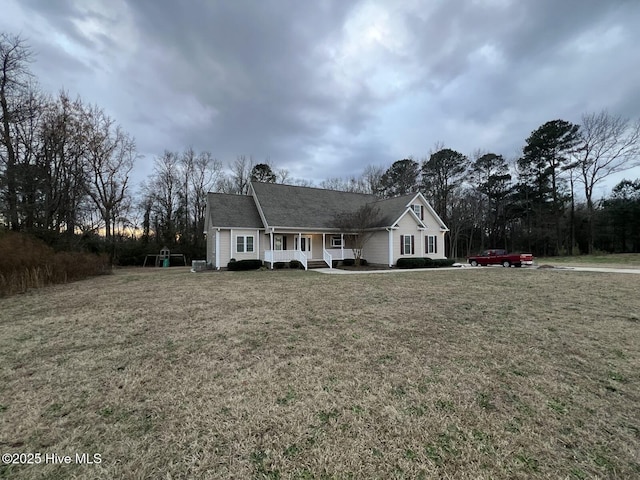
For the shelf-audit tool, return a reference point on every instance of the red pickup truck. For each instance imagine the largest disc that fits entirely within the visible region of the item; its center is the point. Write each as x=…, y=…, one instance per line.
x=501, y=257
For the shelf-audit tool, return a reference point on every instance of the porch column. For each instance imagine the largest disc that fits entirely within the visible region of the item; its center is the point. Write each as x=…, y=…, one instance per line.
x=217, y=265
x=231, y=244
x=390, y=247
x=300, y=241
x=257, y=245
x=323, y=246
x=271, y=243
x=342, y=245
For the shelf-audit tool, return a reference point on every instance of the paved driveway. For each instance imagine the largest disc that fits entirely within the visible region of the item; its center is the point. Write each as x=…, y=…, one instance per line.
x=596, y=269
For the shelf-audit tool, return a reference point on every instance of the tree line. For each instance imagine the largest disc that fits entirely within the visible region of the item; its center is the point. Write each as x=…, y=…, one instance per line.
x=65, y=176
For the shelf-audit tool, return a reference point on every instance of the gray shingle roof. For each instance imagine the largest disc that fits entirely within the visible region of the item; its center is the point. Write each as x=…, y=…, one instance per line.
x=392, y=208
x=292, y=206
x=235, y=211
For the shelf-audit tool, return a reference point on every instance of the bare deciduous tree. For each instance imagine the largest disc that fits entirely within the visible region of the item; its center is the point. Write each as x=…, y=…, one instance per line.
x=15, y=54
x=206, y=172
x=110, y=156
x=358, y=227
x=372, y=177
x=283, y=175
x=610, y=144
x=63, y=145
x=241, y=174
x=163, y=193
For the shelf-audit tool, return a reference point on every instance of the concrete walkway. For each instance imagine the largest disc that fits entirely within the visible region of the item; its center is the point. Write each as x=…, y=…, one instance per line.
x=337, y=271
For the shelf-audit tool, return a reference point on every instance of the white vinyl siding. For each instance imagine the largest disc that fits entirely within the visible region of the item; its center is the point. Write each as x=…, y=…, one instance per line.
x=211, y=246
x=229, y=248
x=376, y=250
x=225, y=245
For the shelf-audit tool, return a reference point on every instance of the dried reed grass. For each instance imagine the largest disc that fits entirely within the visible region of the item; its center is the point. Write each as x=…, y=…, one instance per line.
x=26, y=262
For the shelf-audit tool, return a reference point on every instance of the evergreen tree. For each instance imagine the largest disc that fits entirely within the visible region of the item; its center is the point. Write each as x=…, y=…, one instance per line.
x=401, y=178
x=547, y=152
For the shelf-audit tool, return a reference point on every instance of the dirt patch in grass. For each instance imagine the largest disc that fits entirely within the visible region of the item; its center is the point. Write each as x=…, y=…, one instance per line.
x=506, y=373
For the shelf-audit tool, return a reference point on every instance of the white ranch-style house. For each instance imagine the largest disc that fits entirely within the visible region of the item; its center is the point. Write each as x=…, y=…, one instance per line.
x=280, y=223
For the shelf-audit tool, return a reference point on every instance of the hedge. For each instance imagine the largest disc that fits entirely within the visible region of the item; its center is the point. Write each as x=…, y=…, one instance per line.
x=251, y=264
x=295, y=264
x=417, y=262
x=350, y=262
x=443, y=262
x=411, y=262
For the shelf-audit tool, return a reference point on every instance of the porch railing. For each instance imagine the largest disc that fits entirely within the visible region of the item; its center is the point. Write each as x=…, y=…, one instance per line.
x=340, y=253
x=272, y=256
x=301, y=257
x=328, y=258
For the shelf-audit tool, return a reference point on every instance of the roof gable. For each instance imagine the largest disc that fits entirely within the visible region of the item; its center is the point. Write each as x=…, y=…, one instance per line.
x=392, y=209
x=431, y=210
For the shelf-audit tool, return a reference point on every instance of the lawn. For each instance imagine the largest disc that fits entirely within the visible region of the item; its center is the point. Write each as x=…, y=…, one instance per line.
x=474, y=373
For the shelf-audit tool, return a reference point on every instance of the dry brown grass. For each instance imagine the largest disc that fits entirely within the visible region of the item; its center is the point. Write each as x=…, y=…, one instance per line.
x=481, y=373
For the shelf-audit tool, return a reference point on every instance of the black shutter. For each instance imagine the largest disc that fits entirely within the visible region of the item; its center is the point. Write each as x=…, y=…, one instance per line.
x=435, y=244
x=284, y=242
x=401, y=244
x=413, y=245
x=426, y=244
x=421, y=212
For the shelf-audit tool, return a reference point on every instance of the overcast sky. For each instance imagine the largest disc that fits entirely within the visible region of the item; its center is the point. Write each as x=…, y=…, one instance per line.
x=325, y=87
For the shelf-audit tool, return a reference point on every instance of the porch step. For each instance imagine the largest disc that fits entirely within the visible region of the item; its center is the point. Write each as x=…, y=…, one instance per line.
x=316, y=264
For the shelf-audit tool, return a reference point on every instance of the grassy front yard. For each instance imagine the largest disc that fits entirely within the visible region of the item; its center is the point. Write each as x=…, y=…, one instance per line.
x=481, y=373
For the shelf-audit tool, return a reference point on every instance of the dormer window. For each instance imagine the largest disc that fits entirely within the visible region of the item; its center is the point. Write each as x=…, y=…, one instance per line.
x=418, y=210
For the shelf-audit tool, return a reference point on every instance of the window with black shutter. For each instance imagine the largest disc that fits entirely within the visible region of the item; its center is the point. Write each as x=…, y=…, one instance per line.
x=407, y=244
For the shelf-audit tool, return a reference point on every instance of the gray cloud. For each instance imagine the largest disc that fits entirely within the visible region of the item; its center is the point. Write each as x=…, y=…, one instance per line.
x=325, y=88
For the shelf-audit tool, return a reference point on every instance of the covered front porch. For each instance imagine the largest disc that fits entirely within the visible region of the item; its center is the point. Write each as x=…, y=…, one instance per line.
x=307, y=247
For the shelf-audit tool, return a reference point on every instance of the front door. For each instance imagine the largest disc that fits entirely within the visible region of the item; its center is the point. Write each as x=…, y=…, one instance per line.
x=279, y=242
x=305, y=244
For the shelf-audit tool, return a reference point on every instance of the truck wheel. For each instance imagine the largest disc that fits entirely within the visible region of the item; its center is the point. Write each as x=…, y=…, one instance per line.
x=474, y=263
x=506, y=264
